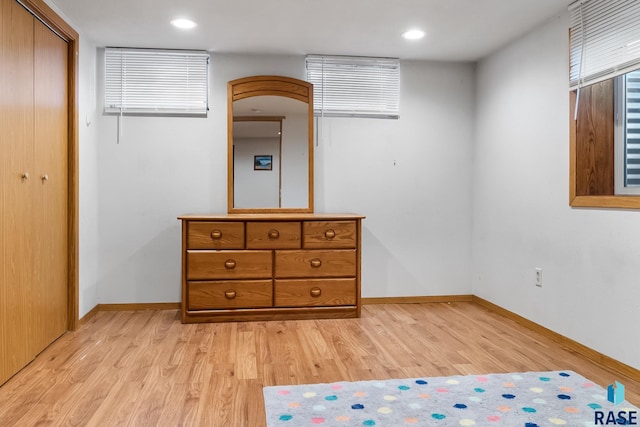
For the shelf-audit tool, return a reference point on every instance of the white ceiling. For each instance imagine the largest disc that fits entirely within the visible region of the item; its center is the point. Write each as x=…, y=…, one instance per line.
x=457, y=30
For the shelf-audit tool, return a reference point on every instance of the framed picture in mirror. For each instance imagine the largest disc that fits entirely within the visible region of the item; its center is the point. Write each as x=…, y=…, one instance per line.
x=262, y=163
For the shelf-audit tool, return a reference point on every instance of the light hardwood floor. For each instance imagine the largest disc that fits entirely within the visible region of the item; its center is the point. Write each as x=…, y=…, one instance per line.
x=145, y=368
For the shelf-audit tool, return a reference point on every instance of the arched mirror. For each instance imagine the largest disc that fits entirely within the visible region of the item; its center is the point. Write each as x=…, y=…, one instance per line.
x=270, y=147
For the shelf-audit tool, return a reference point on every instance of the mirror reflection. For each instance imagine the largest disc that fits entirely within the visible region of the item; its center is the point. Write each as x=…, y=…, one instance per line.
x=270, y=153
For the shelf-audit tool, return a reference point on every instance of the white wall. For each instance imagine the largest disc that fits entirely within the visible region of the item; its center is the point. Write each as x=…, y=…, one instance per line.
x=89, y=255
x=256, y=188
x=295, y=169
x=521, y=216
x=411, y=177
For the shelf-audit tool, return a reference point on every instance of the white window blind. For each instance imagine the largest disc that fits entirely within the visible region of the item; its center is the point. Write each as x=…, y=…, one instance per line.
x=355, y=86
x=632, y=129
x=159, y=82
x=604, y=40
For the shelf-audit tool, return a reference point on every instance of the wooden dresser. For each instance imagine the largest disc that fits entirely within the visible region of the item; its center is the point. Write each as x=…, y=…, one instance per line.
x=250, y=267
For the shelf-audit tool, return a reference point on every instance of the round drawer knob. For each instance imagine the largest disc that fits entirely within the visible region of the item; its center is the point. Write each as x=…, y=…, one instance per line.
x=315, y=292
x=216, y=234
x=316, y=262
x=274, y=234
x=229, y=264
x=230, y=294
x=329, y=234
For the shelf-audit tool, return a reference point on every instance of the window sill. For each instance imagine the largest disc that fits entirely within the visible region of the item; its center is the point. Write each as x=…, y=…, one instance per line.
x=614, y=202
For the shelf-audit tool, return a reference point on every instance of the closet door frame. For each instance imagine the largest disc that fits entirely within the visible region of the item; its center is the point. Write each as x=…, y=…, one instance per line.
x=51, y=19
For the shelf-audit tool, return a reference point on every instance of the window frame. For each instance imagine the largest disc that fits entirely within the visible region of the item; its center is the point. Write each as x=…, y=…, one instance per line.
x=580, y=147
x=604, y=33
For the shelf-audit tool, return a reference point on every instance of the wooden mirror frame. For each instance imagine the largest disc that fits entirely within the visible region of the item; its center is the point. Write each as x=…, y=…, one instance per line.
x=271, y=86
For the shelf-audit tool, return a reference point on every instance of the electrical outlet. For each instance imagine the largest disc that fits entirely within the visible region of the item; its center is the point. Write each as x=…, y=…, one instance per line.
x=539, y=277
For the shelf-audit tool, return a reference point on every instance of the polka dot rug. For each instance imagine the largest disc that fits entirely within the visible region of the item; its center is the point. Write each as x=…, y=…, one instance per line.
x=531, y=399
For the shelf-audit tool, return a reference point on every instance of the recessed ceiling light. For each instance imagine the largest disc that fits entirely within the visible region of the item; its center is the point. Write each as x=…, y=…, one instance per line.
x=185, y=24
x=413, y=34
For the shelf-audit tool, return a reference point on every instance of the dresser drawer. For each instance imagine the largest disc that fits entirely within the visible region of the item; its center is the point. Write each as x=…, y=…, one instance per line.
x=229, y=294
x=273, y=235
x=314, y=292
x=215, y=235
x=209, y=265
x=315, y=263
x=329, y=234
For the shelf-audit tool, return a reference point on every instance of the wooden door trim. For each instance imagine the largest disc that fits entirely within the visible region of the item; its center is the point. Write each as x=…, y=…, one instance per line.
x=50, y=18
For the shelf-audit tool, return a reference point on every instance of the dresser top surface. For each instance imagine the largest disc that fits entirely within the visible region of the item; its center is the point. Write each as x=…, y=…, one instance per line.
x=271, y=217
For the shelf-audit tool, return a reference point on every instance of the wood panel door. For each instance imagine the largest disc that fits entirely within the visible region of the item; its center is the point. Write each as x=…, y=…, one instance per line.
x=16, y=173
x=49, y=293
x=33, y=216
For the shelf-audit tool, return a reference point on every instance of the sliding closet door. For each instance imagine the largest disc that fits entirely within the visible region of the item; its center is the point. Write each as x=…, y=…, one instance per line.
x=33, y=187
x=16, y=182
x=49, y=299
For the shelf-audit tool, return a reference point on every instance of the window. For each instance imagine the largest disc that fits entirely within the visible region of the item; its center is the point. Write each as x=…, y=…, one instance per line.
x=604, y=84
x=156, y=82
x=346, y=86
x=627, y=137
